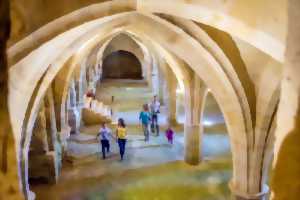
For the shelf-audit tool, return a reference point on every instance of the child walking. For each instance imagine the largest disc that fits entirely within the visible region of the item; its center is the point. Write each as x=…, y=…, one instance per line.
x=145, y=120
x=170, y=134
x=103, y=136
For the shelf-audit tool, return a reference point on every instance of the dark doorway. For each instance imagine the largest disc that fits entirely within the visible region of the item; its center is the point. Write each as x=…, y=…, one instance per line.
x=121, y=65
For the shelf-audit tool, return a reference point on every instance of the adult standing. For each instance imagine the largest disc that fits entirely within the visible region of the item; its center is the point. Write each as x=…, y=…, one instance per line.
x=145, y=120
x=103, y=135
x=155, y=110
x=121, y=134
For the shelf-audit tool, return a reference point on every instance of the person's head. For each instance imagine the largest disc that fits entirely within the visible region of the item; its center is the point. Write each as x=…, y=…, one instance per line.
x=103, y=125
x=155, y=97
x=121, y=123
x=145, y=107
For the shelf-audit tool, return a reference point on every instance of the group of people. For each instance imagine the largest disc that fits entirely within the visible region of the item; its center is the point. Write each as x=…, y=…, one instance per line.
x=149, y=120
x=120, y=136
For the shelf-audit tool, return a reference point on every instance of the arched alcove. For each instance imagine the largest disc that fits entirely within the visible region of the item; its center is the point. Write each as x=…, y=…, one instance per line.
x=121, y=65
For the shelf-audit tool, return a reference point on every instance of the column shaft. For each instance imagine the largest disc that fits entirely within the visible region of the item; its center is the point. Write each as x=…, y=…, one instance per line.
x=195, y=94
x=171, y=97
x=286, y=168
x=192, y=144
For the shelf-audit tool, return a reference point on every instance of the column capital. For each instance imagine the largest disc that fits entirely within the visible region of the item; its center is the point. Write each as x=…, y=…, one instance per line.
x=241, y=195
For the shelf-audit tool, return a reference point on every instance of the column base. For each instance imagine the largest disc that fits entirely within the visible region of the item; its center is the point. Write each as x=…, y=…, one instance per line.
x=173, y=122
x=192, y=144
x=31, y=195
x=236, y=195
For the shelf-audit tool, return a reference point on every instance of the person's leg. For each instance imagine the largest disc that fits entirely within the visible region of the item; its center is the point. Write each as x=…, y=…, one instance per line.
x=107, y=146
x=124, y=146
x=120, y=147
x=148, y=132
x=152, y=123
x=100, y=148
x=156, y=124
x=103, y=148
x=145, y=131
x=123, y=141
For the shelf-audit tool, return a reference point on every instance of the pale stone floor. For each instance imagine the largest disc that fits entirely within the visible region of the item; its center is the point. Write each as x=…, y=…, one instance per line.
x=150, y=171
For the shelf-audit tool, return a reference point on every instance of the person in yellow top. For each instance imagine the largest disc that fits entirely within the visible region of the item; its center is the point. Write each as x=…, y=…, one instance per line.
x=121, y=136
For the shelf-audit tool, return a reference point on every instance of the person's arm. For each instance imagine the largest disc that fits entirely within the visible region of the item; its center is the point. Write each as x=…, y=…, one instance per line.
x=140, y=117
x=110, y=134
x=158, y=110
x=116, y=134
x=108, y=131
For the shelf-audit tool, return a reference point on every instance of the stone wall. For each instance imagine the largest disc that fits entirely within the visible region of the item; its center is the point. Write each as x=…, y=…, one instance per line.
x=9, y=180
x=122, y=65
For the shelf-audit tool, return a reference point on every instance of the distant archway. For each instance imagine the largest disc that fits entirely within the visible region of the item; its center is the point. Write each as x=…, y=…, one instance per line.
x=122, y=65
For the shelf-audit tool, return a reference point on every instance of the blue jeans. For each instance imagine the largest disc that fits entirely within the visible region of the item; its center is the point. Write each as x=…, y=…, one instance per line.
x=122, y=143
x=105, y=147
x=154, y=123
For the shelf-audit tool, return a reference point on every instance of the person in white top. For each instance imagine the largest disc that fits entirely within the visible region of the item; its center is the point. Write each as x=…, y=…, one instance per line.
x=155, y=110
x=103, y=136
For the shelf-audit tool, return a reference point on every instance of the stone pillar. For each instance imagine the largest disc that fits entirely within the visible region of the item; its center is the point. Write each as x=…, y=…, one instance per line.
x=72, y=93
x=236, y=195
x=81, y=85
x=84, y=81
x=54, y=154
x=161, y=85
x=149, y=70
x=9, y=179
x=192, y=144
x=43, y=160
x=39, y=141
x=50, y=119
x=156, y=81
x=195, y=94
x=171, y=97
x=80, y=92
x=286, y=167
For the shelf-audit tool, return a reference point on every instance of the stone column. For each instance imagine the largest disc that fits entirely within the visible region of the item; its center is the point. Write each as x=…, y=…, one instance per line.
x=54, y=154
x=84, y=80
x=50, y=119
x=42, y=160
x=72, y=93
x=9, y=179
x=155, y=79
x=195, y=94
x=161, y=85
x=286, y=167
x=171, y=97
x=81, y=85
x=39, y=141
x=192, y=144
x=79, y=94
x=243, y=196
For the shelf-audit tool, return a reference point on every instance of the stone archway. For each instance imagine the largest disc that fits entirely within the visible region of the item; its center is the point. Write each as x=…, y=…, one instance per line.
x=121, y=65
x=220, y=85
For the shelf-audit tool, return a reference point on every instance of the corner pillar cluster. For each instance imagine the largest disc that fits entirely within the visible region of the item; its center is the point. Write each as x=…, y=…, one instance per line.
x=195, y=93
